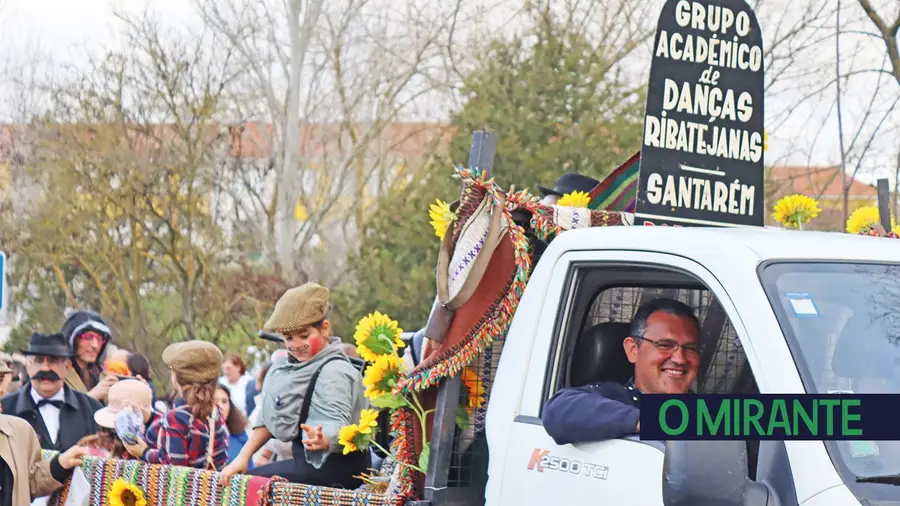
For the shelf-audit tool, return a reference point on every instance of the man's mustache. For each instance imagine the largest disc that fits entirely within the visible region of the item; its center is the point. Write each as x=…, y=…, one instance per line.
x=46, y=375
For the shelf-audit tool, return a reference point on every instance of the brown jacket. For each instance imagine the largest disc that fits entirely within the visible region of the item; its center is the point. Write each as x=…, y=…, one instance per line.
x=75, y=381
x=20, y=449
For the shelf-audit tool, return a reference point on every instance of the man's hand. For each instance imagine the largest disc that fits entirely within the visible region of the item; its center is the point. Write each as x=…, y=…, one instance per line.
x=237, y=466
x=136, y=450
x=315, y=438
x=72, y=457
x=101, y=391
x=638, y=428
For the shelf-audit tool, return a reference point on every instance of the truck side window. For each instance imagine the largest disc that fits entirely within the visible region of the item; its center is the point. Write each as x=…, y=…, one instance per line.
x=604, y=302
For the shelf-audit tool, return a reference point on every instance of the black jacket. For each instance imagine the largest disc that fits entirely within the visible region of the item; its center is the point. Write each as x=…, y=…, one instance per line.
x=76, y=417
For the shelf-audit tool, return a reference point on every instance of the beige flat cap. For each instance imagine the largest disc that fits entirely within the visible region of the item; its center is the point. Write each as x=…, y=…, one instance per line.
x=299, y=307
x=194, y=362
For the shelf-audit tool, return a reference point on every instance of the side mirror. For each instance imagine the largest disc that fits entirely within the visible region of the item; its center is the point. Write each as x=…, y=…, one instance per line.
x=709, y=473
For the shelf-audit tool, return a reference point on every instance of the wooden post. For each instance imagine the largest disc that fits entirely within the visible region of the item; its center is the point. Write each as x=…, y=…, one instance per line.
x=481, y=156
x=884, y=204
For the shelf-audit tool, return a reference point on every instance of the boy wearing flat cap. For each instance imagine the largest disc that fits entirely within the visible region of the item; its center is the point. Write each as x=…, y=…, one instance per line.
x=192, y=434
x=319, y=379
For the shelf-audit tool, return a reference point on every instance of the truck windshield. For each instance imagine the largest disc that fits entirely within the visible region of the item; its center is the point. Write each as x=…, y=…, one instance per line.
x=842, y=323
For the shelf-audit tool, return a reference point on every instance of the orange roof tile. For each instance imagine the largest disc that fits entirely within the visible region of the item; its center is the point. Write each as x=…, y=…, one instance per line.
x=816, y=182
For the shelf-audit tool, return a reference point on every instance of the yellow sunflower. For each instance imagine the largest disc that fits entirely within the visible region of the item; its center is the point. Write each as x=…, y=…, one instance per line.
x=441, y=217
x=574, y=199
x=377, y=335
x=796, y=210
x=862, y=219
x=368, y=421
x=474, y=387
x=347, y=438
x=382, y=376
x=123, y=493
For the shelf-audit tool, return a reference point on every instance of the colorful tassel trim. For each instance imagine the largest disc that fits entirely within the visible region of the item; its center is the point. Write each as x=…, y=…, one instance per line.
x=492, y=326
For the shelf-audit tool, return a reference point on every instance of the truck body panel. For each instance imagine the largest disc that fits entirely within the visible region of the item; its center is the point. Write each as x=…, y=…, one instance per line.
x=527, y=467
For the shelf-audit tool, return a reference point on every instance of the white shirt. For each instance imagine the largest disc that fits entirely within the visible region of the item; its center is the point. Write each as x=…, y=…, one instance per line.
x=50, y=413
x=238, y=391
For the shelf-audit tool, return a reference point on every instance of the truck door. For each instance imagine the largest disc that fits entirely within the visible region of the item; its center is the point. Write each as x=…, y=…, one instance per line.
x=587, y=306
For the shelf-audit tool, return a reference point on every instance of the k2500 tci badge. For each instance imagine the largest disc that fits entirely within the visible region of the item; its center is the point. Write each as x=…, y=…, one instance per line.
x=541, y=460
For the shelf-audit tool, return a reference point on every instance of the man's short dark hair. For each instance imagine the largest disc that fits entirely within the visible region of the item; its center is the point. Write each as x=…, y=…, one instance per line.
x=670, y=306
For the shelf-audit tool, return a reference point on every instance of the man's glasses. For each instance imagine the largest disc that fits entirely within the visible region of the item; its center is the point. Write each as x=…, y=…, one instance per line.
x=669, y=346
x=90, y=336
x=53, y=361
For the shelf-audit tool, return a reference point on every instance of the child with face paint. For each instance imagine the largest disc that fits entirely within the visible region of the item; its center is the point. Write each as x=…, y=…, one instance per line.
x=336, y=398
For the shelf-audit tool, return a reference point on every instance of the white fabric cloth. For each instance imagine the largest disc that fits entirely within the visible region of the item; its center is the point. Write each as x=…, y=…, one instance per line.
x=50, y=413
x=238, y=391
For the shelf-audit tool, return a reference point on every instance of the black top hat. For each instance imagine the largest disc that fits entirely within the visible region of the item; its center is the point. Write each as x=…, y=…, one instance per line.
x=569, y=183
x=50, y=345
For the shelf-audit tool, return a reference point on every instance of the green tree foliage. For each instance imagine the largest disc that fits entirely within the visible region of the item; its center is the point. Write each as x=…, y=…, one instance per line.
x=556, y=105
x=393, y=271
x=556, y=101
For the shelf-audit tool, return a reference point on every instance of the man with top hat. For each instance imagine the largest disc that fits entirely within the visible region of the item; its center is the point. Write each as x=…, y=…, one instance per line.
x=58, y=414
x=567, y=183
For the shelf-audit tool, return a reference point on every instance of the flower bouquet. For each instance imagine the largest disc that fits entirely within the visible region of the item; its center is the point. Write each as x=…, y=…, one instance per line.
x=378, y=343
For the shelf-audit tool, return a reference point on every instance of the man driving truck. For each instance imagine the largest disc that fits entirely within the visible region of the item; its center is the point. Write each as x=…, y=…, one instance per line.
x=663, y=346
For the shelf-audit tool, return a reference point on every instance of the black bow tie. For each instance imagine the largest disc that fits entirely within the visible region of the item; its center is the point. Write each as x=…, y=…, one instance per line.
x=52, y=402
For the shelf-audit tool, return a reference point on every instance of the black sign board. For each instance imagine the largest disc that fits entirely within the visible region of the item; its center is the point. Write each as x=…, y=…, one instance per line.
x=702, y=147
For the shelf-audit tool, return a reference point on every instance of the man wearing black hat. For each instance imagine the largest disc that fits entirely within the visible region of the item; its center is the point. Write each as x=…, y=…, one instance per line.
x=88, y=337
x=59, y=415
x=567, y=183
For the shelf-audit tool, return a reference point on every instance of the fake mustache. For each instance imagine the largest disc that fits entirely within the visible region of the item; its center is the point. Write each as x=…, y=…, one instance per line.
x=46, y=375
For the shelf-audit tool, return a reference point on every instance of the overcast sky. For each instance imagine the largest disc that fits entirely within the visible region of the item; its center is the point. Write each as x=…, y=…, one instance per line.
x=64, y=27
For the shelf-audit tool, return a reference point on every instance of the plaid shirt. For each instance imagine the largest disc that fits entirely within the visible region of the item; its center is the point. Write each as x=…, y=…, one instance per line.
x=183, y=440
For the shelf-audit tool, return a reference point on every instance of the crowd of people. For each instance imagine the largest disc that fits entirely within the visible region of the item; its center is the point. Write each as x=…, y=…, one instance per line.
x=68, y=389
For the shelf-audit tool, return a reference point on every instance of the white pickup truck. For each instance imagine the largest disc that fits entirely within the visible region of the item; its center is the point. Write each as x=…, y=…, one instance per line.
x=781, y=312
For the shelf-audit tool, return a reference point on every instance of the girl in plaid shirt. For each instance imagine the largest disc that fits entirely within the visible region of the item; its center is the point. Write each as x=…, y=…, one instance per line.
x=193, y=432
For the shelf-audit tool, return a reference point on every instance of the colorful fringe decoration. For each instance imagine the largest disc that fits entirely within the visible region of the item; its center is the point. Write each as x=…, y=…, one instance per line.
x=403, y=422
x=169, y=485
x=186, y=486
x=618, y=191
x=543, y=221
x=495, y=323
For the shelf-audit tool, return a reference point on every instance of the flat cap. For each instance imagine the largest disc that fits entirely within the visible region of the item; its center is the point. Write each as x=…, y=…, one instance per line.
x=298, y=308
x=194, y=362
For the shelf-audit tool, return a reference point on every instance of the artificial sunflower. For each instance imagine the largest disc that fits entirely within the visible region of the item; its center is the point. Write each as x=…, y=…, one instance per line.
x=862, y=220
x=124, y=493
x=474, y=387
x=441, y=217
x=368, y=421
x=574, y=199
x=796, y=210
x=347, y=438
x=382, y=376
x=377, y=335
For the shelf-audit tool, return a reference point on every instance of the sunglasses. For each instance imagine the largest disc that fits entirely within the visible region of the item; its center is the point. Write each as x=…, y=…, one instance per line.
x=90, y=336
